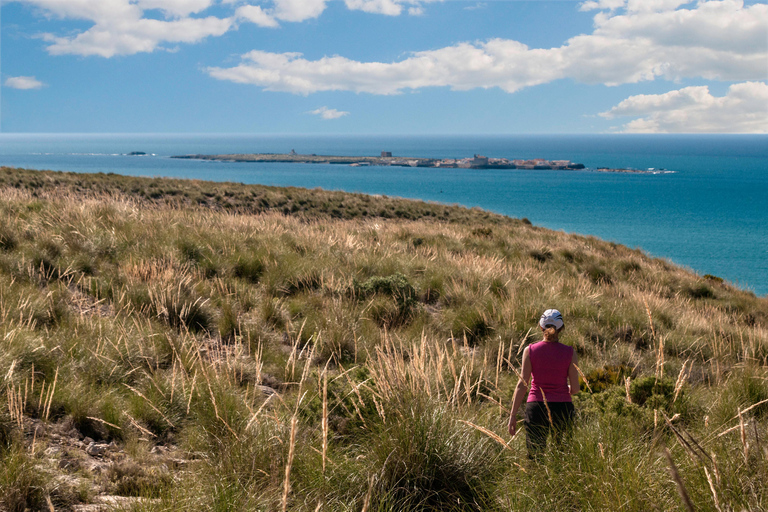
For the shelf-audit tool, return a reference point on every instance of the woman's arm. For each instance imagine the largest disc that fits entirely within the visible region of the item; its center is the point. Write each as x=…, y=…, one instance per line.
x=521, y=391
x=573, y=374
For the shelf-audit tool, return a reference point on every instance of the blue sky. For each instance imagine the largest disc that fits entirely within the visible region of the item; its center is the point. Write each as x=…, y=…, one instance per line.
x=384, y=66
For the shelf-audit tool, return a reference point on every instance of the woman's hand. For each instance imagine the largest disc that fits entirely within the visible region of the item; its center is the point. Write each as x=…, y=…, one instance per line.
x=512, y=427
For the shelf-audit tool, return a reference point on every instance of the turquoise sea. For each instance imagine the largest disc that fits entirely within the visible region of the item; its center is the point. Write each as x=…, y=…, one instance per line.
x=710, y=214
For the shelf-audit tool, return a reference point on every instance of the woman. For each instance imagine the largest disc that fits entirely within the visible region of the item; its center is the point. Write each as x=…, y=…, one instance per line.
x=553, y=367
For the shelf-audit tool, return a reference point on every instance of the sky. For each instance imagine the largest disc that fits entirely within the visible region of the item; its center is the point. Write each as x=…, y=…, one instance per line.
x=383, y=66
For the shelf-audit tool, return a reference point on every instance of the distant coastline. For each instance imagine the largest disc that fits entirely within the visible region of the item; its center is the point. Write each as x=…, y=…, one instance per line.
x=386, y=159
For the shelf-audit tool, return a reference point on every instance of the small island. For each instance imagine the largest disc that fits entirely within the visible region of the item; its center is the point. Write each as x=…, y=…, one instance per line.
x=386, y=159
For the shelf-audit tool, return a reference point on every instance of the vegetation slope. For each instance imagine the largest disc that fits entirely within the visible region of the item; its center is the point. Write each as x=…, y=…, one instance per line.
x=208, y=346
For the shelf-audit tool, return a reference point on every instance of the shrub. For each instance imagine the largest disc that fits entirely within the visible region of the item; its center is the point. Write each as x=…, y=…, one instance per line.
x=472, y=322
x=427, y=461
x=606, y=377
x=180, y=307
x=646, y=388
x=22, y=486
x=397, y=288
x=248, y=267
x=498, y=287
x=8, y=240
x=541, y=255
x=699, y=291
x=130, y=479
x=598, y=274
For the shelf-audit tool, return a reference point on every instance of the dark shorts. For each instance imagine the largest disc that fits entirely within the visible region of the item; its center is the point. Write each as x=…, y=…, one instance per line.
x=538, y=424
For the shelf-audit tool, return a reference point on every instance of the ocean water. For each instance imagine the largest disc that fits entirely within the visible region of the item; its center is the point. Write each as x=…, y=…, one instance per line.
x=709, y=214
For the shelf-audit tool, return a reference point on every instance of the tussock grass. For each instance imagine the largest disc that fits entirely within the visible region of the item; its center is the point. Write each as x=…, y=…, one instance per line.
x=309, y=350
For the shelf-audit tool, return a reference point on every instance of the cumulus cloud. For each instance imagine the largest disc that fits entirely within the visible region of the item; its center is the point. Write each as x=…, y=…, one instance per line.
x=715, y=40
x=257, y=15
x=23, y=82
x=127, y=37
x=328, y=113
x=122, y=27
x=743, y=109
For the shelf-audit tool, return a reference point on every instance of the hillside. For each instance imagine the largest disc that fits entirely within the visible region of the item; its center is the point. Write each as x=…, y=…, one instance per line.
x=183, y=345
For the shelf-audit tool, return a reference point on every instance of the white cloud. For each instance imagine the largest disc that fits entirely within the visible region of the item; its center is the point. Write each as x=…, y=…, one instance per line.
x=297, y=10
x=744, y=109
x=328, y=113
x=257, y=15
x=127, y=37
x=716, y=40
x=121, y=27
x=23, y=82
x=388, y=7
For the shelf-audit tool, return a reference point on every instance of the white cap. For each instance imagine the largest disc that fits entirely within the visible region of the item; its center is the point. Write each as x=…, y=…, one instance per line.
x=551, y=317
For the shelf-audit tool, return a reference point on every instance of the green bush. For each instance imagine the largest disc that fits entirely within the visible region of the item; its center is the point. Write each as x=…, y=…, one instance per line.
x=249, y=267
x=425, y=460
x=396, y=288
x=471, y=321
x=646, y=388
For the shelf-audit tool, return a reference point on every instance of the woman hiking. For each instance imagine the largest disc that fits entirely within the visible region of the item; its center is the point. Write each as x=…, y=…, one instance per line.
x=550, y=367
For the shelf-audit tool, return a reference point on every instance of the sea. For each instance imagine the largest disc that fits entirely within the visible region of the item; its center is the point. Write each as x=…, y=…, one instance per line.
x=704, y=206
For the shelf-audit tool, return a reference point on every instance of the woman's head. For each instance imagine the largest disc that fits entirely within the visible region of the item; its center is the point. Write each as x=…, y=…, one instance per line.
x=551, y=323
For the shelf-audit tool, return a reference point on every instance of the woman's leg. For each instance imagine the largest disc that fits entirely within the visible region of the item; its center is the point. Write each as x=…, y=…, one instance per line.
x=563, y=417
x=537, y=427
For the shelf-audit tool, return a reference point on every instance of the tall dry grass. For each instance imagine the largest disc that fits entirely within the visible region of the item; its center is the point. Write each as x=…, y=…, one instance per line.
x=307, y=360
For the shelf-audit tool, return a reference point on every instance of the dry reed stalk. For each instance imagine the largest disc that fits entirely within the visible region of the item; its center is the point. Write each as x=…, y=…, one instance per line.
x=40, y=399
x=368, y=493
x=50, y=396
x=660, y=359
x=325, y=418
x=499, y=356
x=546, y=404
x=522, y=341
x=761, y=402
x=292, y=443
x=757, y=439
x=650, y=319
x=289, y=462
x=105, y=422
x=583, y=377
x=678, y=481
x=683, y=442
x=712, y=488
x=191, y=391
x=149, y=402
x=136, y=424
x=488, y=433
x=681, y=377
x=626, y=388
x=255, y=415
x=743, y=431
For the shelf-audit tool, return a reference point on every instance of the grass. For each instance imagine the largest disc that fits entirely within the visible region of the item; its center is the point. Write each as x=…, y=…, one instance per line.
x=312, y=350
